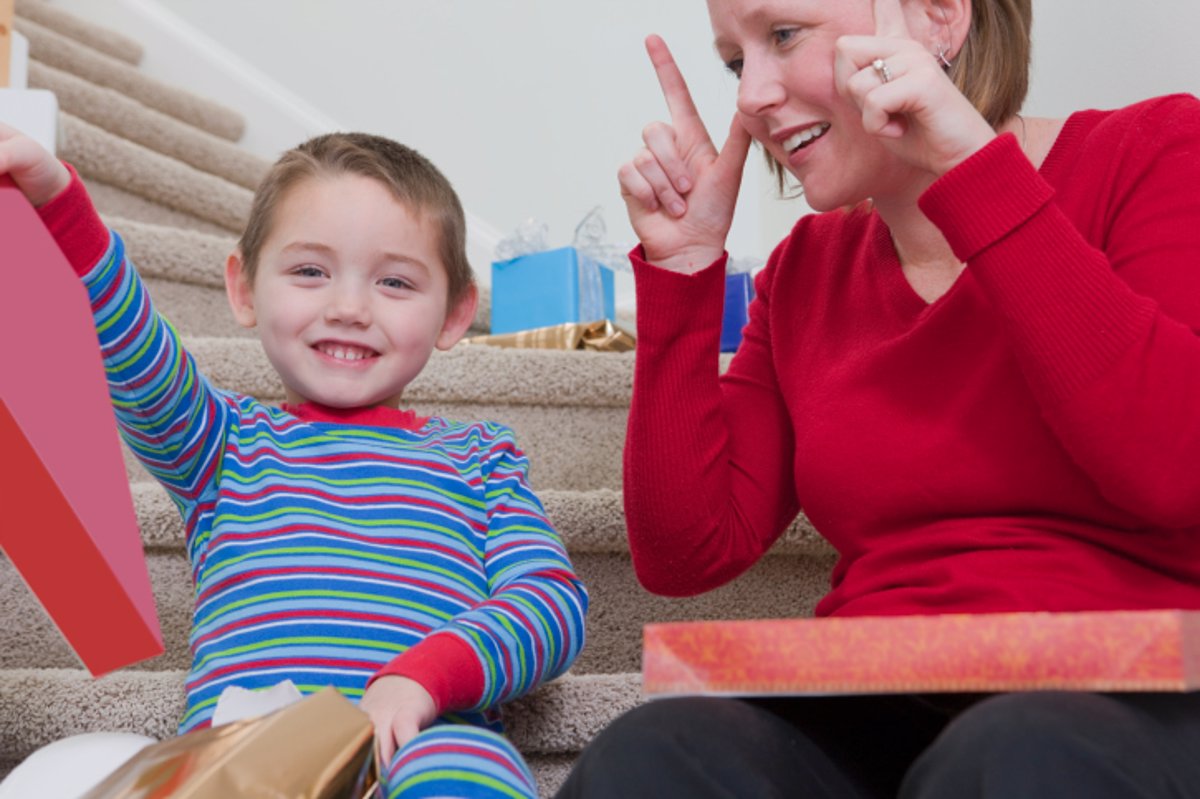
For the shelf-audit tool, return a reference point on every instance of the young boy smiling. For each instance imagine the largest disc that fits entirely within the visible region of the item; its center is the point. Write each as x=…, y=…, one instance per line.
x=339, y=539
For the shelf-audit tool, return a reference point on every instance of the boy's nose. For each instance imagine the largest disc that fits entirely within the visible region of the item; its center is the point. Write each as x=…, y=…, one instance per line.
x=348, y=307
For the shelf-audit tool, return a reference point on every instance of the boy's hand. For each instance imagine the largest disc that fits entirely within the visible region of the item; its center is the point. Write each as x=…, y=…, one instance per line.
x=400, y=708
x=40, y=176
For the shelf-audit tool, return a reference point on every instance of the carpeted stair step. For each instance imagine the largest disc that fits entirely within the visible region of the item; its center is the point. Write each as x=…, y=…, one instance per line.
x=128, y=119
x=103, y=156
x=39, y=706
x=591, y=523
x=568, y=409
x=117, y=201
x=69, y=55
x=173, y=255
x=109, y=42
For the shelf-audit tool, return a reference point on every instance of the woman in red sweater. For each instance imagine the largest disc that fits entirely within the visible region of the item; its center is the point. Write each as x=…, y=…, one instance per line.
x=976, y=370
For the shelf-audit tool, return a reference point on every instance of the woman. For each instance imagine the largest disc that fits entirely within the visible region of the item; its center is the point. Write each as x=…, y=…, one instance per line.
x=976, y=370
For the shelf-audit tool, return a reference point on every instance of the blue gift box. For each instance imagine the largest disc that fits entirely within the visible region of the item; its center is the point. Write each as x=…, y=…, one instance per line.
x=739, y=290
x=550, y=288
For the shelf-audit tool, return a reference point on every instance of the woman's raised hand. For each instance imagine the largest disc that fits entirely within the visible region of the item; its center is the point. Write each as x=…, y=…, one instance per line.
x=908, y=100
x=680, y=191
x=39, y=175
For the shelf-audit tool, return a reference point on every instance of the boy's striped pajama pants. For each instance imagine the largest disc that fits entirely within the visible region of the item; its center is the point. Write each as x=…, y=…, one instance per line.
x=459, y=760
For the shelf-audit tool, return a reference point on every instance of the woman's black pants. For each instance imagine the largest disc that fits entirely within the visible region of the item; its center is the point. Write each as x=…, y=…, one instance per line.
x=1042, y=745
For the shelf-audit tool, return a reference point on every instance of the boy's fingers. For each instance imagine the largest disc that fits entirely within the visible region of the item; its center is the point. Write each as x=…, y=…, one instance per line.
x=679, y=100
x=889, y=20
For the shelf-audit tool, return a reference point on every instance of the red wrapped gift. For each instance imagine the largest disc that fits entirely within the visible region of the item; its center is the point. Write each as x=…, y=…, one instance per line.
x=1155, y=650
x=68, y=523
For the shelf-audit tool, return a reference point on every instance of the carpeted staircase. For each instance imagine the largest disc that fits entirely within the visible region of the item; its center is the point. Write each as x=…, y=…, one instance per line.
x=165, y=171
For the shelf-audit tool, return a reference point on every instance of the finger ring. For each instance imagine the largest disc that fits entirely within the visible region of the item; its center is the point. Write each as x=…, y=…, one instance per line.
x=881, y=67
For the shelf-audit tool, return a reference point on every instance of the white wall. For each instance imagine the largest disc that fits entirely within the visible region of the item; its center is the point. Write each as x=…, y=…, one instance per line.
x=529, y=106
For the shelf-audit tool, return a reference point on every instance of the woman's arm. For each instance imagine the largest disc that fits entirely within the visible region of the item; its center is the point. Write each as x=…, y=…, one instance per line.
x=708, y=459
x=1106, y=336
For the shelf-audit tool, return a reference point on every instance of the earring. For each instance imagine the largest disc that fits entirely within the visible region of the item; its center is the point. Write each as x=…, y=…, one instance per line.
x=941, y=56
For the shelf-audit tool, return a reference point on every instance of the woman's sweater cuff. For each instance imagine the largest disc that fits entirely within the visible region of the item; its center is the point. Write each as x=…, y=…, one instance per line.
x=986, y=197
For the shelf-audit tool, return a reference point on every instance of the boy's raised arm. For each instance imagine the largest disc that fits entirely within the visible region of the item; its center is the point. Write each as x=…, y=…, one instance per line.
x=167, y=413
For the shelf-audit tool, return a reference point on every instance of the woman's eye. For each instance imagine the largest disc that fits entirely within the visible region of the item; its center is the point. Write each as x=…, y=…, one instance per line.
x=734, y=65
x=783, y=35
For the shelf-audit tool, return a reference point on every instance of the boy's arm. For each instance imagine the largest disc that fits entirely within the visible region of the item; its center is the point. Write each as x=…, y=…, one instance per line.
x=531, y=628
x=168, y=415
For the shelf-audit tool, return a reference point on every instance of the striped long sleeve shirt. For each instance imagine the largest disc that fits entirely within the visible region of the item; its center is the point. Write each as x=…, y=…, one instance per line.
x=326, y=551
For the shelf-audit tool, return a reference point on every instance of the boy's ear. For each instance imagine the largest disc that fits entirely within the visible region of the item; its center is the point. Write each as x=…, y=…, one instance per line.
x=459, y=319
x=239, y=290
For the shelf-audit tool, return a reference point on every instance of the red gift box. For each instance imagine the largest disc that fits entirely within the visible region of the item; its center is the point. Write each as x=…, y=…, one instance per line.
x=67, y=521
x=1156, y=650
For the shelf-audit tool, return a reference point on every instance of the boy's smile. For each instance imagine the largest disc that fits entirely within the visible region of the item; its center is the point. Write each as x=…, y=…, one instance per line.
x=350, y=293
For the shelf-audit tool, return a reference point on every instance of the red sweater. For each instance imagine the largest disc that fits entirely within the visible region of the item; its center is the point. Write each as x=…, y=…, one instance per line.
x=1029, y=441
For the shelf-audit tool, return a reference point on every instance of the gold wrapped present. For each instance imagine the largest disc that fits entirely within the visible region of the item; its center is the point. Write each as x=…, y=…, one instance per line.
x=321, y=747
x=601, y=336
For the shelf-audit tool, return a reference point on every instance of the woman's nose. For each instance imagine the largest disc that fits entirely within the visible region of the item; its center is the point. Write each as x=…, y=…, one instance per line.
x=760, y=89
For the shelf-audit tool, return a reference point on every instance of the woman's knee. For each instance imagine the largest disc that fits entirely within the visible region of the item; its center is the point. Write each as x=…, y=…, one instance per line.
x=1031, y=744
x=699, y=747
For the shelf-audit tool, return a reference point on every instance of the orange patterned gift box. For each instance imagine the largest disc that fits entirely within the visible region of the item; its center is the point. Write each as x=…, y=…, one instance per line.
x=1157, y=650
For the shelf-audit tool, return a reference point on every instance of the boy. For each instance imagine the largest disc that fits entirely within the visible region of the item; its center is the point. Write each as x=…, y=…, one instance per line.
x=339, y=539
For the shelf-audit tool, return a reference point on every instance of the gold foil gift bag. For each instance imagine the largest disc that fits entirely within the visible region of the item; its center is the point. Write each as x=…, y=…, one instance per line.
x=321, y=747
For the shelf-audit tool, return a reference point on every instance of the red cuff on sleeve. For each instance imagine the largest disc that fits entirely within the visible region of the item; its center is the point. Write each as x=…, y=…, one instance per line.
x=445, y=666
x=985, y=197
x=673, y=303
x=76, y=225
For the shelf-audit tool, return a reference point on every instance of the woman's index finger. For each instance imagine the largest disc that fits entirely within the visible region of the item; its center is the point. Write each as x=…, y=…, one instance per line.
x=674, y=87
x=890, y=21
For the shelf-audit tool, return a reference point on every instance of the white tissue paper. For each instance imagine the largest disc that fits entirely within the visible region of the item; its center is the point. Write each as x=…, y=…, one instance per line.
x=238, y=704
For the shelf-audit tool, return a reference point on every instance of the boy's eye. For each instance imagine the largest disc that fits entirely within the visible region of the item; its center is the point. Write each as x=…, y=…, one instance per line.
x=308, y=270
x=395, y=283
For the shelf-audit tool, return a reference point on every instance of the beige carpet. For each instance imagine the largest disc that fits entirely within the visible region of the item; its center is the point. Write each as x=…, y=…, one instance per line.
x=166, y=172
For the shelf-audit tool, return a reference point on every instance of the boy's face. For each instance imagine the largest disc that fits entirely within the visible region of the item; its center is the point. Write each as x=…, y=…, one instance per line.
x=350, y=294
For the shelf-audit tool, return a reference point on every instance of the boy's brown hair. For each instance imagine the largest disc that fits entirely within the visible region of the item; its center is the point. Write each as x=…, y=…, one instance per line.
x=412, y=179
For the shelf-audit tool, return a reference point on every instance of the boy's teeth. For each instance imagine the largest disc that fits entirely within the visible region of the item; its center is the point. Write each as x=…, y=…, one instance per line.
x=344, y=353
x=805, y=136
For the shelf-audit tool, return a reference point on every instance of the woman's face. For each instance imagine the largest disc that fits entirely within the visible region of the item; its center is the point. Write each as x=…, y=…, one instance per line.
x=783, y=52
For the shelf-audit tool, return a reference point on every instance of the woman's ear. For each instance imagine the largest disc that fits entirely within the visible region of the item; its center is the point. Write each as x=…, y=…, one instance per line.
x=459, y=319
x=239, y=291
x=947, y=24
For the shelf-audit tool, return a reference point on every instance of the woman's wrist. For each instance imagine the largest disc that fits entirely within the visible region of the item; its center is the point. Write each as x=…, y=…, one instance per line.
x=687, y=261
